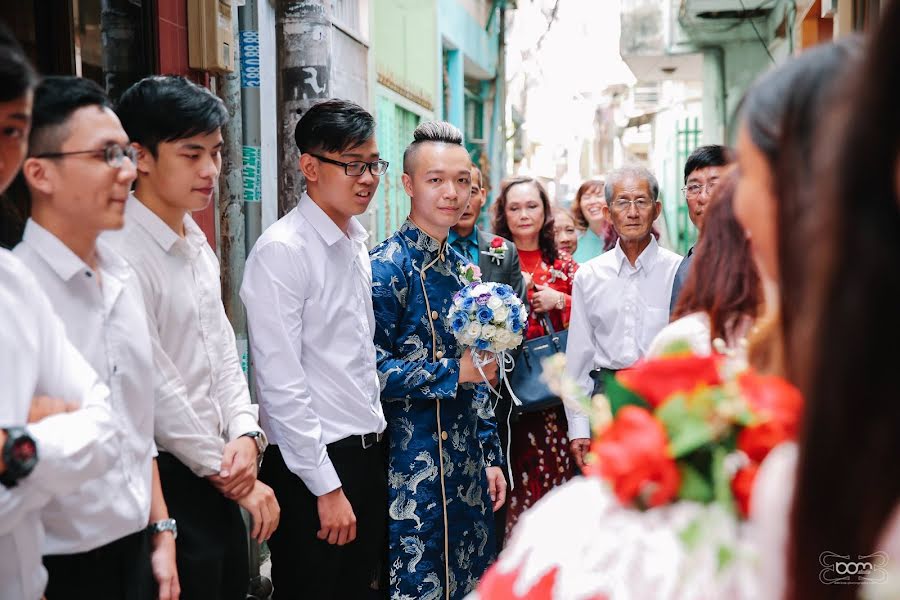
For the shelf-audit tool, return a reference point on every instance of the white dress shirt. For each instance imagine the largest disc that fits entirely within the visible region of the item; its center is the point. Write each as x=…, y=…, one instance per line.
x=194, y=349
x=103, y=313
x=617, y=310
x=308, y=292
x=36, y=358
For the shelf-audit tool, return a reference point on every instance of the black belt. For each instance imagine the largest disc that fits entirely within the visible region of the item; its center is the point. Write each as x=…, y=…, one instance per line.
x=364, y=441
x=599, y=377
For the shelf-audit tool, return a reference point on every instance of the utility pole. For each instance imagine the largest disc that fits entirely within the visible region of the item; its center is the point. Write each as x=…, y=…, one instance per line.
x=304, y=38
x=250, y=116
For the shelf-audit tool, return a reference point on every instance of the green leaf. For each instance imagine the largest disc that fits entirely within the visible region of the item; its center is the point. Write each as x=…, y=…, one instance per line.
x=677, y=348
x=724, y=557
x=691, y=535
x=721, y=481
x=694, y=486
x=687, y=430
x=619, y=396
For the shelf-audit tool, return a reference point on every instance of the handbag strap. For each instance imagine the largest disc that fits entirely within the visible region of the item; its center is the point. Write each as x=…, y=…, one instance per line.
x=548, y=324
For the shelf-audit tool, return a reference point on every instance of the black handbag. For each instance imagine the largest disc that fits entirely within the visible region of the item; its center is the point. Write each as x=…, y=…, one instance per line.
x=525, y=379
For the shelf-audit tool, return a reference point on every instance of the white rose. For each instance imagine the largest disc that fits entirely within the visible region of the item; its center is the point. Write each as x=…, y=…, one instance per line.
x=481, y=289
x=500, y=314
x=488, y=332
x=473, y=330
x=502, y=339
x=466, y=340
x=457, y=301
x=494, y=303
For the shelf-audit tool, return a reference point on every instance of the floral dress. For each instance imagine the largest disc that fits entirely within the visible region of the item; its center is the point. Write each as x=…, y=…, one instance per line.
x=442, y=434
x=539, y=449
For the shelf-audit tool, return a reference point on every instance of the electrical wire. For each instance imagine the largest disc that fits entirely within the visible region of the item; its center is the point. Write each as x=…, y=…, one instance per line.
x=759, y=36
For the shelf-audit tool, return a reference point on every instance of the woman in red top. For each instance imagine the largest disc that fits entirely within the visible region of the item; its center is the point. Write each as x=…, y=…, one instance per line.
x=539, y=457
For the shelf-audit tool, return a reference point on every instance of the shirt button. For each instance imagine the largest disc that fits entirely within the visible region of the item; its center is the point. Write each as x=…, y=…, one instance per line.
x=434, y=315
x=444, y=435
x=439, y=354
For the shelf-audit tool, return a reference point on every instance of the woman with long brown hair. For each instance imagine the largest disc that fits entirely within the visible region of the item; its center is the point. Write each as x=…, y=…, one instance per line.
x=539, y=458
x=722, y=295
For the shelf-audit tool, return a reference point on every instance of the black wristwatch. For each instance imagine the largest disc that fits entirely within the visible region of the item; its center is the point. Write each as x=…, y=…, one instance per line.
x=19, y=454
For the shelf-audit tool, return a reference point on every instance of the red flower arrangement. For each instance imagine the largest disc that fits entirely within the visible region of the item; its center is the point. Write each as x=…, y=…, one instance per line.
x=682, y=429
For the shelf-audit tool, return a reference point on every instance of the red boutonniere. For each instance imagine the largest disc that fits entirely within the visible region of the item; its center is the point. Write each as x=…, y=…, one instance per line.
x=496, y=250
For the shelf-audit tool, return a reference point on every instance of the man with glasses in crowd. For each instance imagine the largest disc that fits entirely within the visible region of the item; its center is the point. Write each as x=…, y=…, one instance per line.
x=702, y=171
x=308, y=292
x=620, y=299
x=100, y=539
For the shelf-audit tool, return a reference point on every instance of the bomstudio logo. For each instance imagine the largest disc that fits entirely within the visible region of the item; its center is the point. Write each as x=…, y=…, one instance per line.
x=840, y=569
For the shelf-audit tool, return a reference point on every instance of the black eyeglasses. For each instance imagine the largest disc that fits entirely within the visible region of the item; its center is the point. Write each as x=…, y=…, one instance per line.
x=113, y=154
x=357, y=167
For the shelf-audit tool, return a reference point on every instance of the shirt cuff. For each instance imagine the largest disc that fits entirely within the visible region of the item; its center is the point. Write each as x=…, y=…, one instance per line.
x=322, y=480
x=579, y=425
x=241, y=424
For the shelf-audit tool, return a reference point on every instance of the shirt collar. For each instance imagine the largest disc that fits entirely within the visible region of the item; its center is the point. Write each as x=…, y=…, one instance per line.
x=65, y=263
x=644, y=261
x=472, y=238
x=156, y=227
x=422, y=241
x=326, y=228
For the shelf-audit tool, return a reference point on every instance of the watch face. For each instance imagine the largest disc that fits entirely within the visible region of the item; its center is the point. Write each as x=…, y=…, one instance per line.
x=24, y=450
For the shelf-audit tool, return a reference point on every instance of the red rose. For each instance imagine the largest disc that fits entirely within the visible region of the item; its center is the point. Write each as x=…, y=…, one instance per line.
x=497, y=242
x=778, y=405
x=656, y=380
x=633, y=455
x=742, y=487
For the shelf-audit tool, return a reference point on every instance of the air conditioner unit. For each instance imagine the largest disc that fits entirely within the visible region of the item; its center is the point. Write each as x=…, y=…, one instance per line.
x=726, y=9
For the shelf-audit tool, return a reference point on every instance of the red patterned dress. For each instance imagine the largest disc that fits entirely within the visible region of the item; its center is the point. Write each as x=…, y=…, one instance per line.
x=539, y=453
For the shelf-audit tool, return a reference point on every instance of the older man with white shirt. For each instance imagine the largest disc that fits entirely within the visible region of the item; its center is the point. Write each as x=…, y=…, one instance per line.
x=620, y=299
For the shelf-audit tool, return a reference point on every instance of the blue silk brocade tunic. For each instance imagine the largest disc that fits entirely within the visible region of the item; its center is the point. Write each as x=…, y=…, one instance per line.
x=440, y=524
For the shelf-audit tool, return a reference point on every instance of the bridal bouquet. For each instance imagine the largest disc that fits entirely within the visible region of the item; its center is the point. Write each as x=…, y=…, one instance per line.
x=661, y=511
x=489, y=318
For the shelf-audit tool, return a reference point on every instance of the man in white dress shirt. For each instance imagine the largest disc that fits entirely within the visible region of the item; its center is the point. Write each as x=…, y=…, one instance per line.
x=79, y=175
x=48, y=445
x=620, y=299
x=208, y=467
x=307, y=288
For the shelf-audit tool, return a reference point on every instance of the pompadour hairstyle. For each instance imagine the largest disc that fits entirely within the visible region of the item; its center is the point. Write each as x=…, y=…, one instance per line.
x=435, y=132
x=167, y=108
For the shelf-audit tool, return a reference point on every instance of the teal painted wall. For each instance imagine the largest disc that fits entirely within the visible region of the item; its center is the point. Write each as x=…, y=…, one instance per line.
x=405, y=43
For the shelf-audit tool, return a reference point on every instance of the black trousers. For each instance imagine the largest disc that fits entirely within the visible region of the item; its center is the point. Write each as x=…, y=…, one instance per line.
x=303, y=566
x=211, y=548
x=119, y=569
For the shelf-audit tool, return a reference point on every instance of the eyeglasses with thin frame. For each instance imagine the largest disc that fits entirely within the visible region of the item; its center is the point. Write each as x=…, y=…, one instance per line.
x=693, y=190
x=113, y=154
x=641, y=204
x=357, y=167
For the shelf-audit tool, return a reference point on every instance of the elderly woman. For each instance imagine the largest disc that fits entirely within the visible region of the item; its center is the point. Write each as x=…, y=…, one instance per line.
x=539, y=459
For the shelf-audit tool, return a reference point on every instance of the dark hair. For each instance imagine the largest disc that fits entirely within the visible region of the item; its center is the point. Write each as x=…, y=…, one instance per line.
x=435, y=132
x=723, y=281
x=614, y=177
x=546, y=237
x=333, y=126
x=707, y=156
x=165, y=108
x=17, y=76
x=475, y=168
x=850, y=438
x=584, y=188
x=782, y=112
x=55, y=99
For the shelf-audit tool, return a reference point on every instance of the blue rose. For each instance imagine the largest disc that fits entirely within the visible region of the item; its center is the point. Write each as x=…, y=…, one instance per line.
x=459, y=322
x=468, y=304
x=514, y=325
x=482, y=344
x=503, y=291
x=484, y=314
x=515, y=311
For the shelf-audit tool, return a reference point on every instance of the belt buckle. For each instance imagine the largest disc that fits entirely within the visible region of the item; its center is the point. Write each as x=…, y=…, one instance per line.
x=366, y=444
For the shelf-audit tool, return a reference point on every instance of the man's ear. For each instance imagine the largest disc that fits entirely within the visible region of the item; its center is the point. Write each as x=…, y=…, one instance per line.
x=309, y=167
x=604, y=210
x=407, y=185
x=657, y=209
x=146, y=161
x=37, y=175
